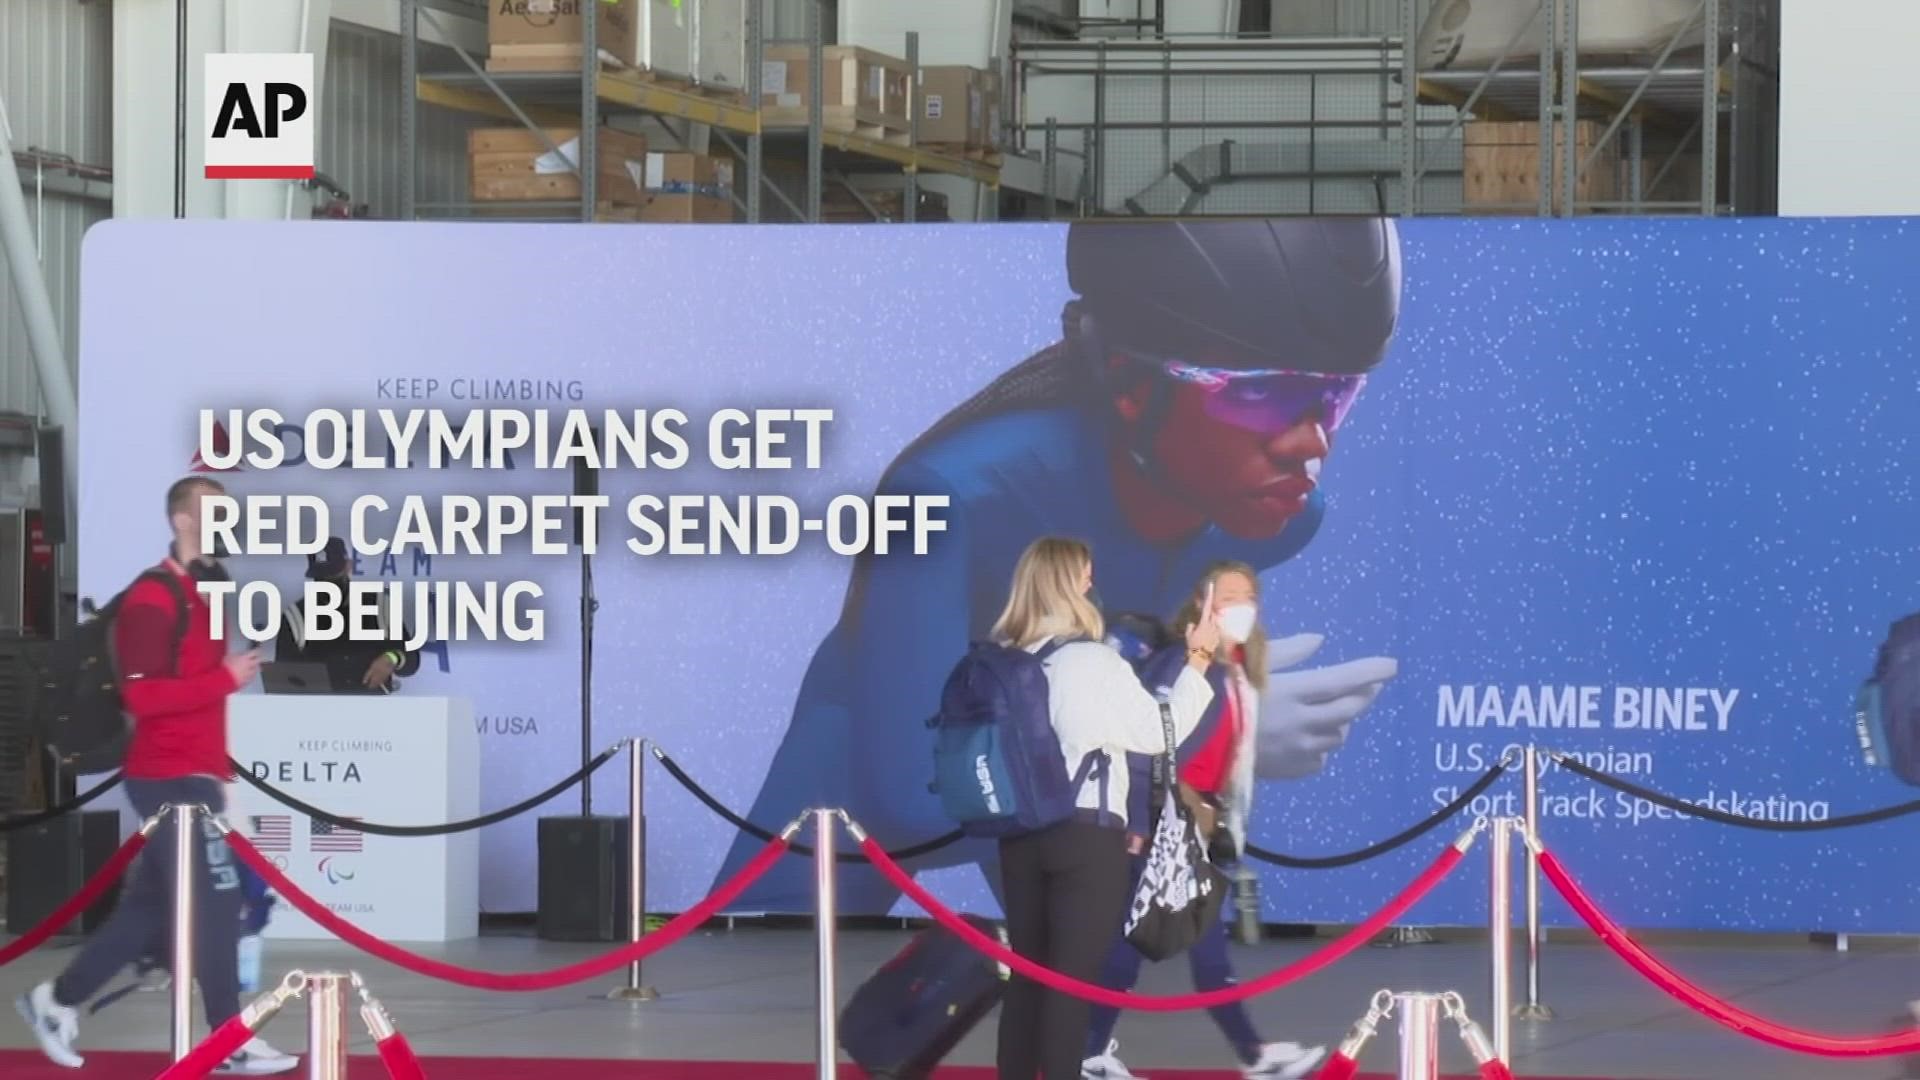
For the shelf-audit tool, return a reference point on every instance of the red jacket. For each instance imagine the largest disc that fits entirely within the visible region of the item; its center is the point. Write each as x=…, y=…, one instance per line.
x=1207, y=771
x=178, y=703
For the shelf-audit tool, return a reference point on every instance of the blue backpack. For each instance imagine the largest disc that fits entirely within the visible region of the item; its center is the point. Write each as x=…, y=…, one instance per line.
x=1887, y=710
x=997, y=763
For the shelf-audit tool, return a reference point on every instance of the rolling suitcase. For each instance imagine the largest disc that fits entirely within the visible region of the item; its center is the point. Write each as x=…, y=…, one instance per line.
x=920, y=1004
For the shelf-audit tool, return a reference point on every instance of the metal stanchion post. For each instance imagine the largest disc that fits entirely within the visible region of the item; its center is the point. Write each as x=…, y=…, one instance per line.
x=826, y=1038
x=1419, y=1035
x=372, y=1013
x=1247, y=927
x=1500, y=933
x=636, y=990
x=1533, y=1008
x=185, y=836
x=327, y=1026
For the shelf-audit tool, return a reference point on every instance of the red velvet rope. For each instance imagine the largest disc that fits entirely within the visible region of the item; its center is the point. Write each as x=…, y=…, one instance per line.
x=1100, y=995
x=1495, y=1070
x=89, y=894
x=397, y=1054
x=1687, y=993
x=218, y=1047
x=673, y=931
x=1338, y=1067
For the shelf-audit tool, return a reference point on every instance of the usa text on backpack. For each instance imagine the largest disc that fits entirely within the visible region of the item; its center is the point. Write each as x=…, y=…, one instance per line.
x=998, y=766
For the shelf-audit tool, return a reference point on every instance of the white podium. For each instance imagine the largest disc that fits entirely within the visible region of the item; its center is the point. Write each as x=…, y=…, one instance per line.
x=398, y=760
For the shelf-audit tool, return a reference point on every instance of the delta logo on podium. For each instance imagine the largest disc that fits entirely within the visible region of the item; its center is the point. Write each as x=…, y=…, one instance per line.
x=259, y=122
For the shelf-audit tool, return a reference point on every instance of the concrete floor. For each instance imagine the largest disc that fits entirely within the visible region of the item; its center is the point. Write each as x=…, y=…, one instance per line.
x=748, y=995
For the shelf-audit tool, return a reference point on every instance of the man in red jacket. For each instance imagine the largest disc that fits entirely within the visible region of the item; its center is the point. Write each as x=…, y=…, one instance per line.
x=176, y=693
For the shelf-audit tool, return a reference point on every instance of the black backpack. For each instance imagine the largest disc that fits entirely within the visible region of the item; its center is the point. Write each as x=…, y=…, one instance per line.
x=78, y=712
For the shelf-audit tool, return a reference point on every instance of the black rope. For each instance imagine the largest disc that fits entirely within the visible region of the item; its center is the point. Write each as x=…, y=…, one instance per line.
x=1681, y=806
x=674, y=770
x=28, y=821
x=469, y=825
x=1391, y=843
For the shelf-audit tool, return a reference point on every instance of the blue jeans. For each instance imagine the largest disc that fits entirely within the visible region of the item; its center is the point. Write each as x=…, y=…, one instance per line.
x=1212, y=970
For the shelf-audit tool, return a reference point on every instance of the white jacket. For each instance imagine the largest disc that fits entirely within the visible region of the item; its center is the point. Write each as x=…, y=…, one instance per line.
x=1098, y=705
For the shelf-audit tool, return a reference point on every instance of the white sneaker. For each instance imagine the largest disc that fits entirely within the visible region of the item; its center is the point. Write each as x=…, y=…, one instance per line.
x=54, y=1025
x=1284, y=1061
x=258, y=1059
x=1107, y=1066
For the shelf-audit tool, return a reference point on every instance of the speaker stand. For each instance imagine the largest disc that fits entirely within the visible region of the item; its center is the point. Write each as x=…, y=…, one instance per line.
x=588, y=605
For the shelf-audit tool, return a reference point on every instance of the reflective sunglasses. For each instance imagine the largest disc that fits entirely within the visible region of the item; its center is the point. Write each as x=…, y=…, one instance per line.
x=1267, y=401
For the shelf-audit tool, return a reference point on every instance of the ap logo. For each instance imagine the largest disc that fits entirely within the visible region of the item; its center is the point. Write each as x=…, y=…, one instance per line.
x=259, y=122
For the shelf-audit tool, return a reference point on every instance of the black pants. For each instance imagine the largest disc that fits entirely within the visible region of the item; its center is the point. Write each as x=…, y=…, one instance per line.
x=1066, y=898
x=145, y=910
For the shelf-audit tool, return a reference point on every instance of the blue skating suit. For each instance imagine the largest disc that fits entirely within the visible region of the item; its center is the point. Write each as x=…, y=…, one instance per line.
x=859, y=738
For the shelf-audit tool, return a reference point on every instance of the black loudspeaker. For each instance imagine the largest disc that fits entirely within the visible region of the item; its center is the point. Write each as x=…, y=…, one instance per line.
x=583, y=879
x=53, y=485
x=49, y=862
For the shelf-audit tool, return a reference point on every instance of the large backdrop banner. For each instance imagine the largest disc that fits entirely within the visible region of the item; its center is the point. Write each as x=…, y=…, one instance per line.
x=1640, y=491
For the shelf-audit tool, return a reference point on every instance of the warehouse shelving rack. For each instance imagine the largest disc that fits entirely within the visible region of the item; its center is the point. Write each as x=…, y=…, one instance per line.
x=1682, y=126
x=1686, y=99
x=585, y=98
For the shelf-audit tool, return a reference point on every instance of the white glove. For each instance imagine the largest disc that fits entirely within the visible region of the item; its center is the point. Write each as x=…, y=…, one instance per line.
x=1304, y=715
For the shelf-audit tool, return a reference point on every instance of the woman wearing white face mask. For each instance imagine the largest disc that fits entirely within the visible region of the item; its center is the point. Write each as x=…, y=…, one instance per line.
x=1215, y=772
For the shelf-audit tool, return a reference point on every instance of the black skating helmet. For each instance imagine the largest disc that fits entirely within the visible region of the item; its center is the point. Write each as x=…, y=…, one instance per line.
x=1299, y=294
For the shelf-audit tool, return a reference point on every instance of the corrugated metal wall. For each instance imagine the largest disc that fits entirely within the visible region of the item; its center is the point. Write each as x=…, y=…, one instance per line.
x=359, y=134
x=56, y=73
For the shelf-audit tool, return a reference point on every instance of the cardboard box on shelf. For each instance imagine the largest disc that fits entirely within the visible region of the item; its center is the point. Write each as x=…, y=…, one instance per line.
x=680, y=172
x=686, y=187
x=959, y=110
x=544, y=35
x=862, y=91
x=672, y=207
x=950, y=105
x=513, y=164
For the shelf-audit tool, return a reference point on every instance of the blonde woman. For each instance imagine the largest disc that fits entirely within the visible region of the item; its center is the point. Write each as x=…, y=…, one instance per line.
x=1065, y=886
x=1215, y=775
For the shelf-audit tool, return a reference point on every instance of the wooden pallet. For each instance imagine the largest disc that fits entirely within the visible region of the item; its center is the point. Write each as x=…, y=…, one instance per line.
x=846, y=119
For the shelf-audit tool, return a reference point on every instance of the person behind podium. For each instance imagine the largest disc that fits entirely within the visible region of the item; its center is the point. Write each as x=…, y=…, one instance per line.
x=174, y=685
x=369, y=665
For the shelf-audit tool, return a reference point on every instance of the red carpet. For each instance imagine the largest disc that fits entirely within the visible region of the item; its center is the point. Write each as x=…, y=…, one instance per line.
x=111, y=1065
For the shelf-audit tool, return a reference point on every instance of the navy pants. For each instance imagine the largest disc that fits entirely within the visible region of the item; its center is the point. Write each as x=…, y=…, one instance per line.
x=144, y=912
x=1212, y=970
